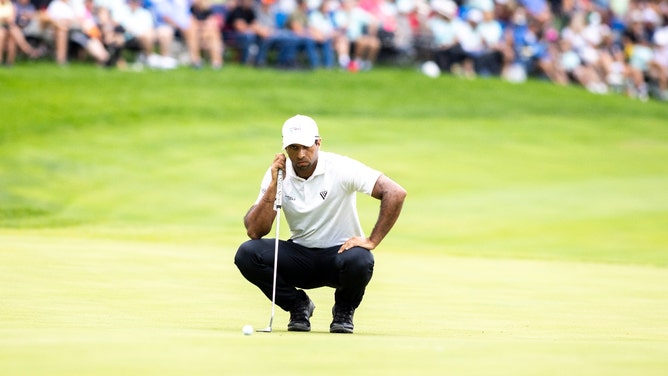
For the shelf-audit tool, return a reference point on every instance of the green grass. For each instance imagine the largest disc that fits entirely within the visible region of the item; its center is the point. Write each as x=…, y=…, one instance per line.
x=533, y=240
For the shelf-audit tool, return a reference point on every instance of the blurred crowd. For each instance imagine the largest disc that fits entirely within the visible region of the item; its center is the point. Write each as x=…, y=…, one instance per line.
x=603, y=45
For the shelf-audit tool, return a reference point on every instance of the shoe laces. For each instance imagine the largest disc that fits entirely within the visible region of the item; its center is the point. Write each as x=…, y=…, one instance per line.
x=343, y=314
x=300, y=311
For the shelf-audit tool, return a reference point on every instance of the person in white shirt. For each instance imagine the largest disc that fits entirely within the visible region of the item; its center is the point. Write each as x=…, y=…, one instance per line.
x=361, y=30
x=75, y=20
x=139, y=27
x=127, y=25
x=322, y=29
x=11, y=35
x=62, y=15
x=173, y=18
x=471, y=41
x=327, y=246
x=658, y=66
x=443, y=24
x=495, y=54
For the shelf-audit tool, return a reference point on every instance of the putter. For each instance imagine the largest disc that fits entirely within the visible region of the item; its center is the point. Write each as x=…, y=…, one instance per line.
x=277, y=206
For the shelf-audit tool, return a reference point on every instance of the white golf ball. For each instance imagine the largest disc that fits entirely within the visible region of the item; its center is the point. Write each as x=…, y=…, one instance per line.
x=247, y=330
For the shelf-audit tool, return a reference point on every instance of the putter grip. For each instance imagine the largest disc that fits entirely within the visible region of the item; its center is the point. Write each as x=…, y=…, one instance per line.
x=278, y=202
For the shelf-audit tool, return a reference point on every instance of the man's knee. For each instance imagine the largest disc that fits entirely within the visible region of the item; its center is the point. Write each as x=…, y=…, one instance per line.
x=247, y=254
x=358, y=259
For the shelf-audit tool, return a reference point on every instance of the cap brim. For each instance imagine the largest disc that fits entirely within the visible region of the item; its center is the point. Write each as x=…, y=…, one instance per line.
x=296, y=141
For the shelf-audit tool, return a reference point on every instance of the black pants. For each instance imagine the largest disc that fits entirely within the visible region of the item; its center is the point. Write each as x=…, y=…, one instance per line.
x=447, y=57
x=488, y=63
x=306, y=268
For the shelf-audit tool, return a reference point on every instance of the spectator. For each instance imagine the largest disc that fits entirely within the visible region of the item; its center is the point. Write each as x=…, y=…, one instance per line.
x=530, y=51
x=638, y=68
x=659, y=64
x=90, y=33
x=548, y=63
x=25, y=13
x=443, y=24
x=114, y=8
x=61, y=17
x=132, y=28
x=385, y=13
x=613, y=62
x=270, y=35
x=243, y=28
x=471, y=42
x=323, y=32
x=639, y=53
x=577, y=71
x=538, y=9
x=173, y=20
x=75, y=21
x=301, y=35
x=404, y=35
x=341, y=41
x=362, y=31
x=584, y=40
x=496, y=57
x=11, y=35
x=387, y=17
x=207, y=34
x=503, y=12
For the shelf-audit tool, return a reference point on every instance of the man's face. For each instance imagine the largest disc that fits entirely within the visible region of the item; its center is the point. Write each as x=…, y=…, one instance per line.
x=304, y=159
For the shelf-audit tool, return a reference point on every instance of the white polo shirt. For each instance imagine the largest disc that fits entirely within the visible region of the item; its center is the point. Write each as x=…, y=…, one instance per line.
x=322, y=211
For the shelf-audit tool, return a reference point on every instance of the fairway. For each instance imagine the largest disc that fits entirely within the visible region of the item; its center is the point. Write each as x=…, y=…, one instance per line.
x=533, y=240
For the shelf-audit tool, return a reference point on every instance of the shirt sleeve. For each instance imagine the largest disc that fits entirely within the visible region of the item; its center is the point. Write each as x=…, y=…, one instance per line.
x=266, y=180
x=361, y=178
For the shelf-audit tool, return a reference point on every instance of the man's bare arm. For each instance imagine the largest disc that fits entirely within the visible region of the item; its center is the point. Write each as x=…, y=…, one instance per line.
x=391, y=196
x=260, y=217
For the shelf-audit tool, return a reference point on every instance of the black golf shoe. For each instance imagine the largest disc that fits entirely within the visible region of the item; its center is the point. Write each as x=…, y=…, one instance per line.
x=343, y=320
x=300, y=315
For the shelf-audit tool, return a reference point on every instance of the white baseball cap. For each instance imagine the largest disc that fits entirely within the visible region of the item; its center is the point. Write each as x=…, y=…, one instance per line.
x=300, y=129
x=475, y=15
x=447, y=8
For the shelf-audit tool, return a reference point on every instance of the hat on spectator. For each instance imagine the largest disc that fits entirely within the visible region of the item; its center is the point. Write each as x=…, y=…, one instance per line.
x=300, y=129
x=661, y=37
x=483, y=5
x=474, y=15
x=405, y=6
x=649, y=15
x=446, y=8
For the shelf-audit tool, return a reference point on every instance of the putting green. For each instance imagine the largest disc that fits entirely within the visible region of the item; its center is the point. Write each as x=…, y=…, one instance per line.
x=81, y=305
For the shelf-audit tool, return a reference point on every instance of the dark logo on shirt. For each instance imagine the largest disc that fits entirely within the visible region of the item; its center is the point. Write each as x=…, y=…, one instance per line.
x=323, y=194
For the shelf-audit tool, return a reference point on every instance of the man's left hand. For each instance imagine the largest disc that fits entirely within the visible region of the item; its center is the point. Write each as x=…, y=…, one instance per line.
x=357, y=242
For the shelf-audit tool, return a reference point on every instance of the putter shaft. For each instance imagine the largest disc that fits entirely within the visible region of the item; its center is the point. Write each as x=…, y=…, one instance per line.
x=277, y=206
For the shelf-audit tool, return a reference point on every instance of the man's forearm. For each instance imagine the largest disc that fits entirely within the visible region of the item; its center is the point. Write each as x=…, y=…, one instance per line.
x=261, y=216
x=390, y=208
x=391, y=196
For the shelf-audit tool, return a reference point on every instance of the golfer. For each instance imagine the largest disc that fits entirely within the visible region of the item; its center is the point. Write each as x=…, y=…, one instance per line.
x=327, y=246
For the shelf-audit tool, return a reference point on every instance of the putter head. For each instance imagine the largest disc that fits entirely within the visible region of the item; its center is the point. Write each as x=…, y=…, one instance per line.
x=264, y=330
